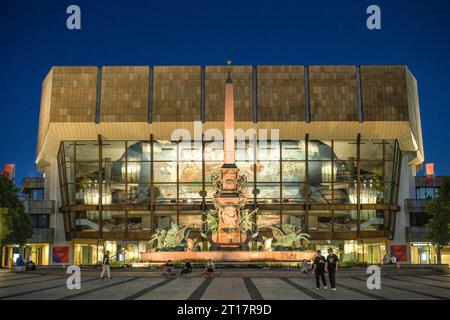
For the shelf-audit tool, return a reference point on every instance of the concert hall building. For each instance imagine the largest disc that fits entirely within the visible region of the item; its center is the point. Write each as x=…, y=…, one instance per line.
x=343, y=146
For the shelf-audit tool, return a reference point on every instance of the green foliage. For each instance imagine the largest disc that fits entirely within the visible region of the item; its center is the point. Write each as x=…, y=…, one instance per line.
x=439, y=212
x=17, y=223
x=4, y=224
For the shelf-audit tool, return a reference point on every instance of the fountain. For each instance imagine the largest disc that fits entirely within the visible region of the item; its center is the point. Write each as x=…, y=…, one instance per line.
x=229, y=227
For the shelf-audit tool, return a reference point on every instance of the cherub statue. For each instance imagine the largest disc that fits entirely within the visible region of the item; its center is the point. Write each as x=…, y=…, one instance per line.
x=289, y=236
x=267, y=244
x=169, y=238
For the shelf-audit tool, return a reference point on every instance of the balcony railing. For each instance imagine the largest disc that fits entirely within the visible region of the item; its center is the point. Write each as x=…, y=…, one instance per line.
x=417, y=234
x=46, y=235
x=39, y=206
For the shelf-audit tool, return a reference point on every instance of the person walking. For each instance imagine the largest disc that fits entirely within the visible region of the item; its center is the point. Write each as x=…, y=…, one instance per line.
x=106, y=267
x=332, y=267
x=319, y=268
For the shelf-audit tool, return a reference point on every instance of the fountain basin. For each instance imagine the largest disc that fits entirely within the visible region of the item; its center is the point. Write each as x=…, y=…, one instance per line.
x=229, y=256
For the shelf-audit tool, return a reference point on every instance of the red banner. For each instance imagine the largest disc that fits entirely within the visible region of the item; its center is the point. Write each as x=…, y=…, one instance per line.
x=8, y=170
x=400, y=252
x=429, y=169
x=61, y=254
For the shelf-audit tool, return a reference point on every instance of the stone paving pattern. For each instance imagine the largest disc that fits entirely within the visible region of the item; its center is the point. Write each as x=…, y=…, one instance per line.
x=293, y=286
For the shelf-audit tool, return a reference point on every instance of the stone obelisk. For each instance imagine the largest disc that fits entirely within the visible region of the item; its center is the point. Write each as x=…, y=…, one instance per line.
x=228, y=199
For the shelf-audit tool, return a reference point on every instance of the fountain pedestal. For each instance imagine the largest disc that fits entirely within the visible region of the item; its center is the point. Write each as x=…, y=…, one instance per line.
x=229, y=203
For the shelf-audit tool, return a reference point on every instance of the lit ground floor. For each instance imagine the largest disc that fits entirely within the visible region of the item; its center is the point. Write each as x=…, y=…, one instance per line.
x=39, y=253
x=425, y=253
x=287, y=286
x=88, y=252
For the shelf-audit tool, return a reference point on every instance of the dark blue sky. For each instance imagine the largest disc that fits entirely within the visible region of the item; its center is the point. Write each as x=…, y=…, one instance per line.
x=34, y=37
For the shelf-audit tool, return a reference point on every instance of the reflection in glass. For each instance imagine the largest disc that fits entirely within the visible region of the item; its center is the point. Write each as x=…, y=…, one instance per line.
x=268, y=151
x=113, y=172
x=247, y=169
x=293, y=150
x=86, y=171
x=117, y=192
x=214, y=151
x=139, y=221
x=113, y=150
x=87, y=221
x=345, y=149
x=293, y=192
x=166, y=193
x=295, y=218
x=371, y=220
x=267, y=219
x=212, y=168
x=345, y=220
x=165, y=219
x=132, y=170
x=389, y=149
x=165, y=171
x=92, y=195
x=268, y=192
x=268, y=171
x=138, y=193
x=164, y=150
x=190, y=151
x=319, y=150
x=245, y=151
x=139, y=151
x=190, y=171
x=371, y=149
x=329, y=171
x=319, y=221
x=87, y=150
x=69, y=150
x=294, y=171
x=114, y=221
x=190, y=193
x=190, y=220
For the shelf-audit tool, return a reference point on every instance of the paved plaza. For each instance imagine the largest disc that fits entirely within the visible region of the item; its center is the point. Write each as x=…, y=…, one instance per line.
x=293, y=286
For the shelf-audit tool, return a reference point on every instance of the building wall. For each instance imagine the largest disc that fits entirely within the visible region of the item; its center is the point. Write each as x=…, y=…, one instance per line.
x=124, y=94
x=384, y=93
x=80, y=103
x=281, y=93
x=406, y=191
x=176, y=94
x=333, y=91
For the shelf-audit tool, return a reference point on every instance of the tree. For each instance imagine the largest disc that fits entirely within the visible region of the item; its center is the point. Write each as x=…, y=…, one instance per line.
x=15, y=223
x=439, y=212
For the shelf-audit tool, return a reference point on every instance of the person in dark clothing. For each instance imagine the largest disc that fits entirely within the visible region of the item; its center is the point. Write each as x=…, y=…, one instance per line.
x=106, y=267
x=168, y=268
x=332, y=267
x=30, y=266
x=187, y=268
x=319, y=268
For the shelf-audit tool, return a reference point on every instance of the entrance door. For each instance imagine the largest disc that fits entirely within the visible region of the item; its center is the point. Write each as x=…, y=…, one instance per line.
x=85, y=254
x=424, y=254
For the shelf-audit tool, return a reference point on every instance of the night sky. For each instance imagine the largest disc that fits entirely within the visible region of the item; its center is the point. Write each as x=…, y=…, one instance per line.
x=34, y=37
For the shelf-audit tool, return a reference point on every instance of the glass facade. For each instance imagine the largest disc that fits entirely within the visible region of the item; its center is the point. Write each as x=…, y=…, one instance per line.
x=346, y=188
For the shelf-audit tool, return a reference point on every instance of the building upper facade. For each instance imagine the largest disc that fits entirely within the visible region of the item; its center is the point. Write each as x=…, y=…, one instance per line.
x=133, y=102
